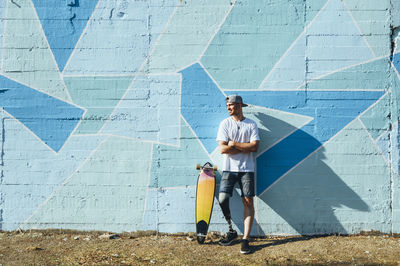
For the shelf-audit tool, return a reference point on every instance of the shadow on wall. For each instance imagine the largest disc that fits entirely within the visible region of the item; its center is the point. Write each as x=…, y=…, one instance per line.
x=306, y=198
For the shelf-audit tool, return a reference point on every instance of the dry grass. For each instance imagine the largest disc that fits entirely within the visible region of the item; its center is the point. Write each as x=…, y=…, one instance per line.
x=52, y=247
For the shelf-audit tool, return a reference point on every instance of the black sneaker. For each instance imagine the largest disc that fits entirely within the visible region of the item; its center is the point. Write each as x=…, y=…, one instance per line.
x=245, y=248
x=227, y=240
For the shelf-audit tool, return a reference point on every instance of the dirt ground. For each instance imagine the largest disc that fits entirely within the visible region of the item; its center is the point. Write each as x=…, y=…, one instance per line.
x=71, y=247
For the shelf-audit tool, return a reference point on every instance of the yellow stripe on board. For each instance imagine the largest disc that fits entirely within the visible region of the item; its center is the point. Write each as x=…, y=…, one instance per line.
x=205, y=198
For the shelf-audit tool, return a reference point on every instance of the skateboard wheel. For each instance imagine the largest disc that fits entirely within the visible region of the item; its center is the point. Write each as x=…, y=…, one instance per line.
x=198, y=166
x=215, y=168
x=200, y=239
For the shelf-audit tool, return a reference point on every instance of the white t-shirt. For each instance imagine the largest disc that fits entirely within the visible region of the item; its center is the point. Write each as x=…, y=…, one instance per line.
x=238, y=131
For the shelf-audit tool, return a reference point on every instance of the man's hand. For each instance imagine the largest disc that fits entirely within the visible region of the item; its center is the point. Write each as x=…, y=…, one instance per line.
x=232, y=147
x=244, y=147
x=227, y=148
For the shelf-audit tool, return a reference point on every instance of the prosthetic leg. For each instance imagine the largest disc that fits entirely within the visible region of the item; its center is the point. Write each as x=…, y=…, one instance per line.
x=223, y=199
x=231, y=235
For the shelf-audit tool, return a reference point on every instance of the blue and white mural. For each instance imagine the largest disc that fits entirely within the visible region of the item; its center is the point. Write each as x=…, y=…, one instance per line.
x=108, y=105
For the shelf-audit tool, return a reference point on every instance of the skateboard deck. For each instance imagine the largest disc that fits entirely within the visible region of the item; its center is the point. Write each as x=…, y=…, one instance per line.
x=204, y=199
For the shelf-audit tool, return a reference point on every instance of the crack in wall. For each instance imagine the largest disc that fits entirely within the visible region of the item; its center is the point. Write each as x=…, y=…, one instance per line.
x=72, y=4
x=394, y=27
x=393, y=142
x=12, y=1
x=394, y=37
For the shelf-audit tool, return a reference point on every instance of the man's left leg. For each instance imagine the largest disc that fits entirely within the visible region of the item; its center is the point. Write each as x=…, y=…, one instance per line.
x=248, y=193
x=248, y=215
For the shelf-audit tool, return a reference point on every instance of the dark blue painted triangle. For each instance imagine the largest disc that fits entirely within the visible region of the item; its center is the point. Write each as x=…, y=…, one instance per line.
x=63, y=22
x=396, y=61
x=202, y=105
x=331, y=110
x=50, y=119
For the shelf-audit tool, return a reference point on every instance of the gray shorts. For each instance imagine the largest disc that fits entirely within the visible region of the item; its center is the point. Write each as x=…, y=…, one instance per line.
x=245, y=180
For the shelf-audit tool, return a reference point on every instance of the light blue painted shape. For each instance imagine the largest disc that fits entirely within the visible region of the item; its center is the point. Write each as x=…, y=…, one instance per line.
x=331, y=110
x=63, y=23
x=149, y=110
x=3, y=6
x=193, y=20
x=253, y=38
x=396, y=204
x=291, y=71
x=119, y=36
x=395, y=11
x=50, y=119
x=368, y=76
x=393, y=149
x=395, y=163
x=176, y=210
x=384, y=144
x=395, y=136
x=32, y=172
x=331, y=42
x=27, y=57
x=2, y=137
x=365, y=76
x=95, y=198
x=395, y=90
x=199, y=92
x=375, y=19
x=171, y=210
x=377, y=119
x=150, y=215
x=344, y=192
x=175, y=166
x=99, y=95
x=312, y=7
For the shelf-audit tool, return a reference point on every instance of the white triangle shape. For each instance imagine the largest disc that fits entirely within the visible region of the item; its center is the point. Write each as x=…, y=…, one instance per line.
x=332, y=41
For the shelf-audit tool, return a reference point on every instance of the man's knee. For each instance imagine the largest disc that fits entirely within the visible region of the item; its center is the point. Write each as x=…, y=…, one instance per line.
x=248, y=202
x=223, y=198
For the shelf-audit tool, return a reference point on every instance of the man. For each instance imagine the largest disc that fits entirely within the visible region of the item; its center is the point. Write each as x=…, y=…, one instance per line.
x=238, y=139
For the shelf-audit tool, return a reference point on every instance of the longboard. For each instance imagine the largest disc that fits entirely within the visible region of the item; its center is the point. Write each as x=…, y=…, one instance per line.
x=204, y=199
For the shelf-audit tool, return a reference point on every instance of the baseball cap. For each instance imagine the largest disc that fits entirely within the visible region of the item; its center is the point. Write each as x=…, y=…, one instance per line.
x=235, y=99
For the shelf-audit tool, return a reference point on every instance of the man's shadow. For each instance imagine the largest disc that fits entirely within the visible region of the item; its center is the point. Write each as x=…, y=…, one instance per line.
x=306, y=198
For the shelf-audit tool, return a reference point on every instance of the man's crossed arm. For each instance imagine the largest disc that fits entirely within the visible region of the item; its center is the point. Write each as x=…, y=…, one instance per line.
x=232, y=147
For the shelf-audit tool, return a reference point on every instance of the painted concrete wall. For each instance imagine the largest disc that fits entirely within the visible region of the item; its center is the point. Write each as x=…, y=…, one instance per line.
x=107, y=106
